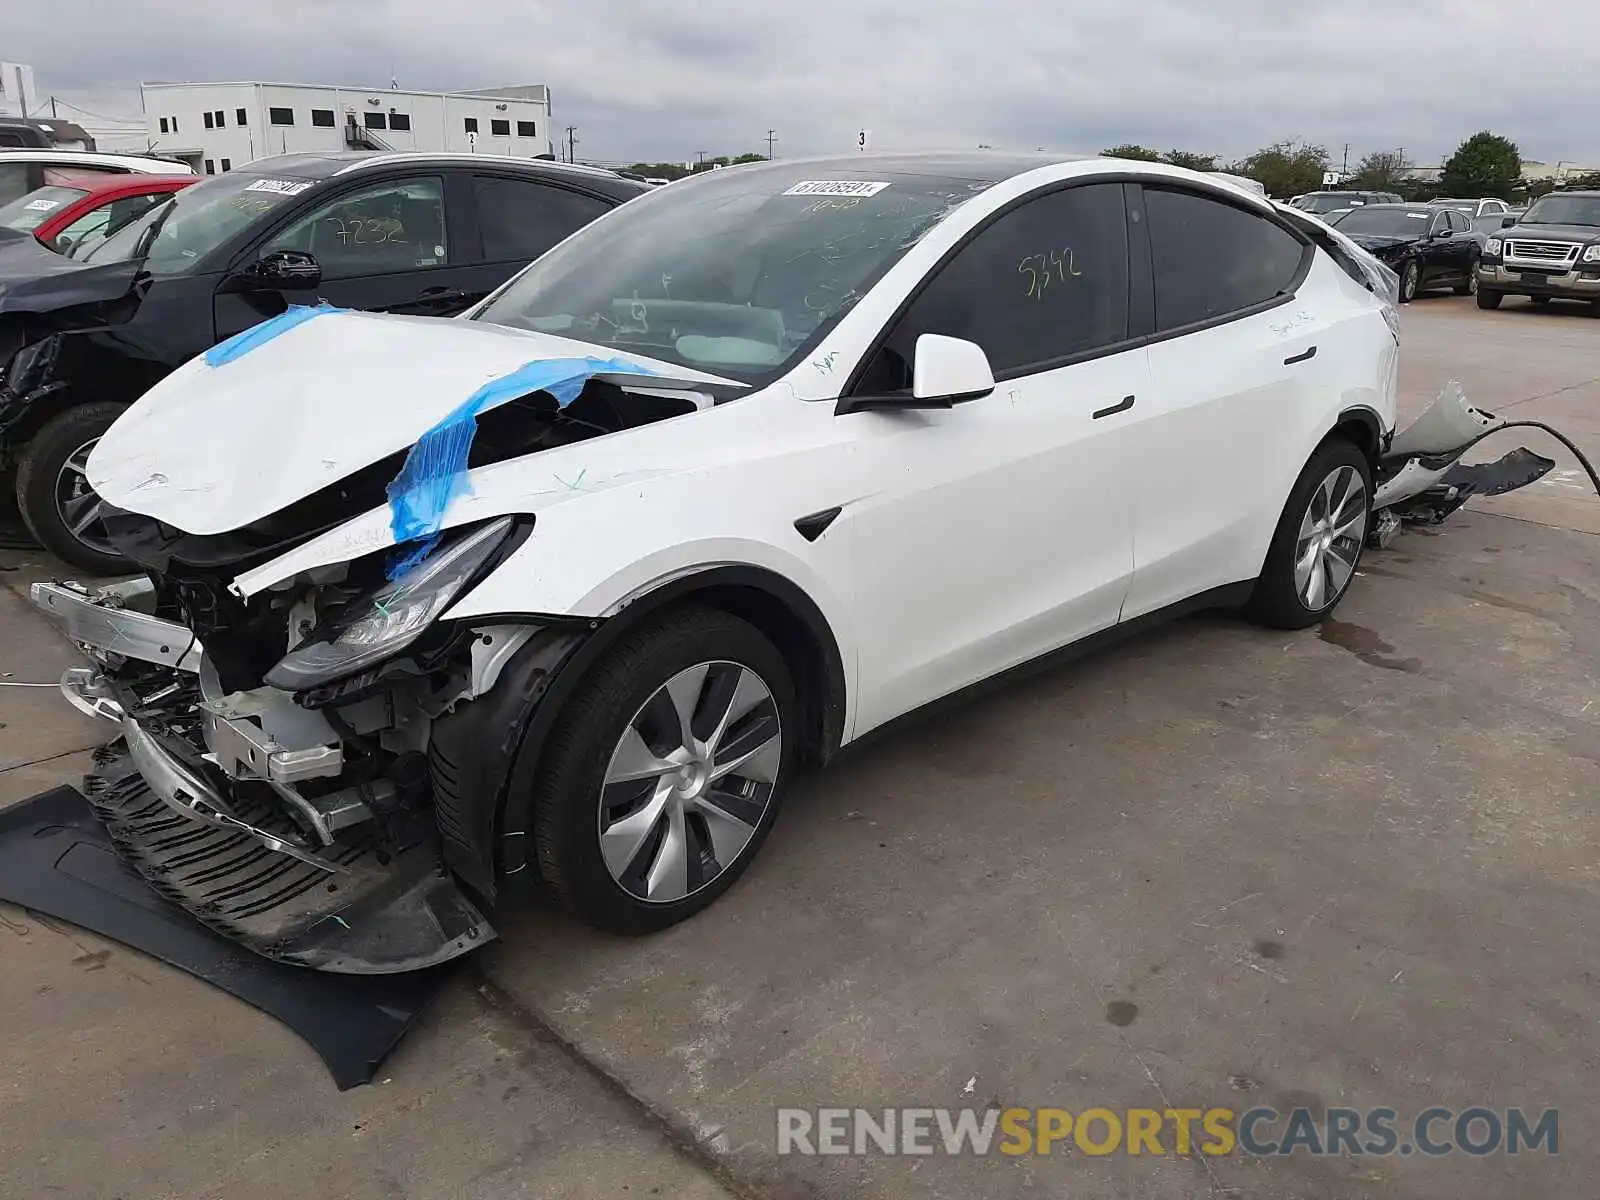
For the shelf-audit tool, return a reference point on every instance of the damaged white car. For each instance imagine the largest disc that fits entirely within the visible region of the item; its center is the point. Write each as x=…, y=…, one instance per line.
x=566, y=590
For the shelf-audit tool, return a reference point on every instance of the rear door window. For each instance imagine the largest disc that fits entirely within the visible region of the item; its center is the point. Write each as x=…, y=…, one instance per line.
x=1212, y=258
x=521, y=219
x=15, y=181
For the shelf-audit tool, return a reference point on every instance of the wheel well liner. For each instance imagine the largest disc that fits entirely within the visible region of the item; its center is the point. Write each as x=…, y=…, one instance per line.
x=1362, y=426
x=500, y=756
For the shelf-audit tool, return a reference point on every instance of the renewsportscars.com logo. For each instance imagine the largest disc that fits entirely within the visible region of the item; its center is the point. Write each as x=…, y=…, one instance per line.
x=1260, y=1132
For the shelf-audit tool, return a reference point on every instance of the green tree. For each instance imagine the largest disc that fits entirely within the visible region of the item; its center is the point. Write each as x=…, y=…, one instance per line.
x=1486, y=164
x=1286, y=168
x=1188, y=158
x=1139, y=153
x=1380, y=171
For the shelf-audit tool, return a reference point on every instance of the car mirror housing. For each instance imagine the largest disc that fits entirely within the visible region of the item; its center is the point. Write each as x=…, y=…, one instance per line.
x=946, y=371
x=282, y=270
x=1507, y=222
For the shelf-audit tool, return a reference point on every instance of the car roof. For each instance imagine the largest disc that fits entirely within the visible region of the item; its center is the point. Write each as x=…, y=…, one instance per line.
x=983, y=166
x=96, y=185
x=329, y=165
x=144, y=164
x=1396, y=207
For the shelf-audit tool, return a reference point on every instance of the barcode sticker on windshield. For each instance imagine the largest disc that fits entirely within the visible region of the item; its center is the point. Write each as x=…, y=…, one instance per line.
x=41, y=205
x=835, y=187
x=282, y=187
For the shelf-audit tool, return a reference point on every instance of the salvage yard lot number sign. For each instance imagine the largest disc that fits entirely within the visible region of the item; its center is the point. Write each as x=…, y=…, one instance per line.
x=835, y=187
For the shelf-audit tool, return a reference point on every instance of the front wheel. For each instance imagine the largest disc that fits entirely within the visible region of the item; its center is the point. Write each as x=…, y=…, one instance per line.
x=664, y=772
x=1488, y=299
x=1539, y=301
x=1318, y=542
x=58, y=506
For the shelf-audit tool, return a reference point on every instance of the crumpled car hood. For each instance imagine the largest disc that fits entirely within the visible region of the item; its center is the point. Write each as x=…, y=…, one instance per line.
x=212, y=449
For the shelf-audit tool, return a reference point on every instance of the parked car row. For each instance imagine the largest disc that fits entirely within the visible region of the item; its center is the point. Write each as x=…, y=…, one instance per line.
x=85, y=335
x=566, y=590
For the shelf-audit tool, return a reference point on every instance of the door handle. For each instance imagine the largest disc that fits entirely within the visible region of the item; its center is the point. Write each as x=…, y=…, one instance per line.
x=1300, y=358
x=1127, y=403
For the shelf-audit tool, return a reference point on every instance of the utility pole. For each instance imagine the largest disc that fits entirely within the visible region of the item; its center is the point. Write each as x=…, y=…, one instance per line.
x=52, y=106
x=772, y=136
x=1344, y=171
x=572, y=142
x=699, y=157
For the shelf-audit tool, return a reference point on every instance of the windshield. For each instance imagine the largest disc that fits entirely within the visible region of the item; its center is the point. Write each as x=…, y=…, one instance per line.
x=172, y=237
x=1385, y=222
x=1466, y=206
x=1564, y=210
x=27, y=213
x=1328, y=202
x=736, y=271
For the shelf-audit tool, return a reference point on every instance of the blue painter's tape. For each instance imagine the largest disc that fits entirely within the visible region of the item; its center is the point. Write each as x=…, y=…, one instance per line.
x=241, y=344
x=435, y=472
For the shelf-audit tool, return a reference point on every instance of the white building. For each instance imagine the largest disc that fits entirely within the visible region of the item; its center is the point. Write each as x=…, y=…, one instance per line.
x=219, y=126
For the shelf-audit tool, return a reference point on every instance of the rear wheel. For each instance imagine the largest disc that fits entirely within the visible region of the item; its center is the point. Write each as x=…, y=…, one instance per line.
x=1318, y=542
x=58, y=506
x=1488, y=299
x=664, y=772
x=1469, y=285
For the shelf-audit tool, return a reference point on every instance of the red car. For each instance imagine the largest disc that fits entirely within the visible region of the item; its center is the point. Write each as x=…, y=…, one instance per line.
x=76, y=210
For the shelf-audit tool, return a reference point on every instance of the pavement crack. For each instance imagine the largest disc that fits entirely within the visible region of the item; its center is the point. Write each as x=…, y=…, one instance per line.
x=684, y=1142
x=49, y=758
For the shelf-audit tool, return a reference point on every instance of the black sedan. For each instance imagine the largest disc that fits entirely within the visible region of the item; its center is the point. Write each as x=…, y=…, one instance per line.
x=82, y=338
x=1427, y=246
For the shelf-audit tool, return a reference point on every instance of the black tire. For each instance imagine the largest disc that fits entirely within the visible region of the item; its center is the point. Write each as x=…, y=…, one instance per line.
x=567, y=786
x=38, y=468
x=1410, y=280
x=1276, y=600
x=1469, y=285
x=1594, y=308
x=1539, y=301
x=1488, y=299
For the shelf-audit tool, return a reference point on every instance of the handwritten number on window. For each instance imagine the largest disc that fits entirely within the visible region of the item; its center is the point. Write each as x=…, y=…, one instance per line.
x=1040, y=269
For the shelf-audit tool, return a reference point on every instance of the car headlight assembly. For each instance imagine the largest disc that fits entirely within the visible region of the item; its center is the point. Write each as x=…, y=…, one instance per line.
x=385, y=621
x=1592, y=253
x=1492, y=246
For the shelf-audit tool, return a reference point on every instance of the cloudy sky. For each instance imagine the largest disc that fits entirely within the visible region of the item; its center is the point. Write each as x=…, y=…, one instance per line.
x=644, y=79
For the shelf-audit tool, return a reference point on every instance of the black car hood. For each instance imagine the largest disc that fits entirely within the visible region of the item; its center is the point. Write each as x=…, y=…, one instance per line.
x=1565, y=233
x=35, y=279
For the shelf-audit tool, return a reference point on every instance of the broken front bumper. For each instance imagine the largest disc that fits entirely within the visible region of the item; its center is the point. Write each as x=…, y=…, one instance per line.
x=198, y=794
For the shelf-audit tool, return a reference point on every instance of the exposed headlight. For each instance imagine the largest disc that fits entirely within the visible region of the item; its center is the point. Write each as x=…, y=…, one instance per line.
x=386, y=621
x=1492, y=246
x=1592, y=253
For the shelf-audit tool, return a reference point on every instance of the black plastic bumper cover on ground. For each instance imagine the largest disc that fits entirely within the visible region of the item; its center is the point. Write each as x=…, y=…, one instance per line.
x=57, y=859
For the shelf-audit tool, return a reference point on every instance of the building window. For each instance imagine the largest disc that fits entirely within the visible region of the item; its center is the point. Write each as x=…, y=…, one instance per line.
x=208, y=120
x=240, y=118
x=163, y=125
x=500, y=128
x=322, y=118
x=227, y=164
x=211, y=167
x=400, y=121
x=527, y=129
x=374, y=120
x=222, y=119
x=281, y=116
x=472, y=124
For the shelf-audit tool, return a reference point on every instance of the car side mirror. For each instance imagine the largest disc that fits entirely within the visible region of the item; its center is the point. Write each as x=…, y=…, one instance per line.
x=945, y=371
x=1507, y=222
x=282, y=270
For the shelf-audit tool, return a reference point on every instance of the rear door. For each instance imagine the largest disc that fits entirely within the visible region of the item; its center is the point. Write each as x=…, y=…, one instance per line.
x=386, y=245
x=1226, y=366
x=520, y=218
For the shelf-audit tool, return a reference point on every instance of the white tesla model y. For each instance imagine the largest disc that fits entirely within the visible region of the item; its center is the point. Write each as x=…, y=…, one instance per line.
x=566, y=590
